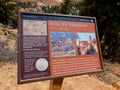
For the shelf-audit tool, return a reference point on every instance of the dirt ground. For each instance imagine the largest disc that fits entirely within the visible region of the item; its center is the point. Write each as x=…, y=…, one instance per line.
x=8, y=80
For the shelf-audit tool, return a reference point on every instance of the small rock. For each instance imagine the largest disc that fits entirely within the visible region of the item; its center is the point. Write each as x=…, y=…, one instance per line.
x=116, y=85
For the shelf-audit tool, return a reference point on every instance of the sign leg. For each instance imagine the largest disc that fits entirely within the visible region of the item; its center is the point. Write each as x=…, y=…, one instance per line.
x=56, y=84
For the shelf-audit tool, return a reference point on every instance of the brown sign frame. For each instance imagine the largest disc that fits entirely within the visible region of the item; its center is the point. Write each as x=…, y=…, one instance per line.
x=24, y=18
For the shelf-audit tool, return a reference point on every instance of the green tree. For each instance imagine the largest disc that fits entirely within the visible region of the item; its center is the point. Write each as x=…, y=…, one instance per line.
x=51, y=9
x=7, y=10
x=65, y=7
x=106, y=11
x=69, y=7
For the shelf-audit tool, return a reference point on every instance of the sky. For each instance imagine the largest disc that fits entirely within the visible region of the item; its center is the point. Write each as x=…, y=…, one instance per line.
x=84, y=36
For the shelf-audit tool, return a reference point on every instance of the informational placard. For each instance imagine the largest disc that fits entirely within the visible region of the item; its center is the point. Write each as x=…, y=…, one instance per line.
x=53, y=46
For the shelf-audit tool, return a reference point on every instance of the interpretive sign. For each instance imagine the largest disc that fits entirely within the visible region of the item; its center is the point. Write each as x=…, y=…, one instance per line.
x=53, y=46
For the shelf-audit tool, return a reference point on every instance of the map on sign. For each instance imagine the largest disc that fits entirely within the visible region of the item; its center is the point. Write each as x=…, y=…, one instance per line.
x=33, y=27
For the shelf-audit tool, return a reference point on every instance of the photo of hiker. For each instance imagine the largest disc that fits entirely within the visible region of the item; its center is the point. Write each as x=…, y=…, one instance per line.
x=62, y=44
x=86, y=43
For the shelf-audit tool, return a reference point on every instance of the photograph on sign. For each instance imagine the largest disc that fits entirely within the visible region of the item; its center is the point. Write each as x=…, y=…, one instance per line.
x=62, y=44
x=86, y=43
x=53, y=46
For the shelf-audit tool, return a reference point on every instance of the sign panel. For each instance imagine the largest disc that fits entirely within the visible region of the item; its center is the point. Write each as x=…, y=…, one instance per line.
x=53, y=46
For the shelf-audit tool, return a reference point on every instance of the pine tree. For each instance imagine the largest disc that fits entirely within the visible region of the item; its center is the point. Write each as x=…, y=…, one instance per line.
x=7, y=10
x=69, y=7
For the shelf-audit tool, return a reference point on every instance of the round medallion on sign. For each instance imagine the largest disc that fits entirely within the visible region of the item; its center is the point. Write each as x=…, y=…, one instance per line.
x=41, y=64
